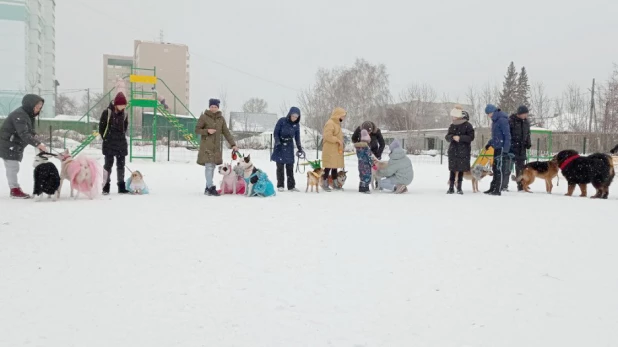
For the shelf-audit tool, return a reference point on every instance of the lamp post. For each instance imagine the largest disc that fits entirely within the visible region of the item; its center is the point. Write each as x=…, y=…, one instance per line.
x=56, y=84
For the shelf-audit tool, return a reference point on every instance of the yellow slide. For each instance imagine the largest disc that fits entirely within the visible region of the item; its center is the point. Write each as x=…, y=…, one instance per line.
x=485, y=156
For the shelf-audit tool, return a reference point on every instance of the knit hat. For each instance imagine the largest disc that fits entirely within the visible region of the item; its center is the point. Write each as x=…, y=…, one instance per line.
x=120, y=100
x=214, y=102
x=457, y=112
x=365, y=136
x=490, y=109
x=522, y=110
x=394, y=145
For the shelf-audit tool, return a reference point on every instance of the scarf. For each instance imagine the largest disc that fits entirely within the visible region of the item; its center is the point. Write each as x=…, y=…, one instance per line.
x=459, y=121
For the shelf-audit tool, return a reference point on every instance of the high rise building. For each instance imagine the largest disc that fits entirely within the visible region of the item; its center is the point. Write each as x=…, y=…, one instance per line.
x=30, y=50
x=114, y=67
x=172, y=63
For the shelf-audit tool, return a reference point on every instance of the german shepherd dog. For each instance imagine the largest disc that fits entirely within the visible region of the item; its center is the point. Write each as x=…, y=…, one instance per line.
x=546, y=170
x=597, y=168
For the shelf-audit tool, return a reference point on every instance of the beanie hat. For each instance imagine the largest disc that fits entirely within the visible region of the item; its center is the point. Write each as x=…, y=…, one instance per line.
x=490, y=109
x=394, y=145
x=369, y=126
x=457, y=112
x=365, y=136
x=522, y=110
x=214, y=102
x=120, y=100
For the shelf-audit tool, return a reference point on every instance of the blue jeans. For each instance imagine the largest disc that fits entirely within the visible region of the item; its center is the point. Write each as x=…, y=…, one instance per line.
x=387, y=183
x=210, y=172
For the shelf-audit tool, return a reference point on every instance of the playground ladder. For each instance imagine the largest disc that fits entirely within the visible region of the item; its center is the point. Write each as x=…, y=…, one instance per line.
x=186, y=134
x=85, y=143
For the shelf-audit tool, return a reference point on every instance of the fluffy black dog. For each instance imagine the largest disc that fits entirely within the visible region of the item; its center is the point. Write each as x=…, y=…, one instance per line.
x=46, y=176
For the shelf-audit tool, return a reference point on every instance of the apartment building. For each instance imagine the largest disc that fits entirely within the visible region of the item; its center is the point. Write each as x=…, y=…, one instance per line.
x=172, y=63
x=31, y=24
x=114, y=67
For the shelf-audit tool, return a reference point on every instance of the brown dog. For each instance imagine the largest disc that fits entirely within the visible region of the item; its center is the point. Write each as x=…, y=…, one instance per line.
x=477, y=173
x=546, y=170
x=313, y=179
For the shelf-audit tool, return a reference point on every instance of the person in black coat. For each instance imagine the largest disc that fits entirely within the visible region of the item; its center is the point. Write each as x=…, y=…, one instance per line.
x=376, y=144
x=460, y=136
x=113, y=130
x=520, y=143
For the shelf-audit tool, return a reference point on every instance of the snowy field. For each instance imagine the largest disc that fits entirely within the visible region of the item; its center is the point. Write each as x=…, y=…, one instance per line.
x=176, y=268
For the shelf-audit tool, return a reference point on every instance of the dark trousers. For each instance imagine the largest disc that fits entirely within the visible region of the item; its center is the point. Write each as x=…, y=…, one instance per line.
x=332, y=172
x=289, y=172
x=109, y=162
x=459, y=179
x=519, y=169
x=500, y=169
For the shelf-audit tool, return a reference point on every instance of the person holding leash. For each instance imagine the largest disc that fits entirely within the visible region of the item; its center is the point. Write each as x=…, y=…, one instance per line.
x=210, y=127
x=286, y=132
x=520, y=143
x=16, y=133
x=113, y=127
x=501, y=142
x=332, y=147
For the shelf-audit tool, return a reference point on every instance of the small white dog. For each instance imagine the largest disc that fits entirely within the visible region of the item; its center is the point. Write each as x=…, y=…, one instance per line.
x=231, y=183
x=83, y=174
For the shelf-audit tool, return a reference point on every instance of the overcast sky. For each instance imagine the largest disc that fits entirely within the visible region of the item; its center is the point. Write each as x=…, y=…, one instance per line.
x=449, y=44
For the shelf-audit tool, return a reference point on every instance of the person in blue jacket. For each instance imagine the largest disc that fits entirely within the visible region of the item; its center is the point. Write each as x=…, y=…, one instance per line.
x=501, y=142
x=286, y=132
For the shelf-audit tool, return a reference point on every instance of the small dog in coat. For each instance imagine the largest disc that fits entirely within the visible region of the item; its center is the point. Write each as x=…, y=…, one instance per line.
x=46, y=177
x=231, y=183
x=135, y=183
x=257, y=182
x=83, y=173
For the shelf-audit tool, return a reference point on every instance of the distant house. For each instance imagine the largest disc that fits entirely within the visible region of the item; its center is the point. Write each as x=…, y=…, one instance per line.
x=252, y=122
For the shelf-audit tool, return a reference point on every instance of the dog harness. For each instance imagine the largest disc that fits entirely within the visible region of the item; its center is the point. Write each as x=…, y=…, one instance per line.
x=568, y=161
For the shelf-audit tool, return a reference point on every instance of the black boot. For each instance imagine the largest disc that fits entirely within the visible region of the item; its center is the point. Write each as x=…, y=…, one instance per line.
x=106, y=189
x=459, y=191
x=213, y=191
x=450, y=190
x=122, y=188
x=363, y=189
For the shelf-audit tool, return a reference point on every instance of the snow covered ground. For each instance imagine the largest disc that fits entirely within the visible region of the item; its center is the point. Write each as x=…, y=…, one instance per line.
x=176, y=268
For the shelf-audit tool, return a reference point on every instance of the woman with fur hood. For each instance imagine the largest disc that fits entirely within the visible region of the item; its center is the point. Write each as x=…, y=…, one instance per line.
x=460, y=136
x=332, y=148
x=376, y=144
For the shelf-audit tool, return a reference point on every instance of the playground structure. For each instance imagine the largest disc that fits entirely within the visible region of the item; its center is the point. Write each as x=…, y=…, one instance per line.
x=144, y=99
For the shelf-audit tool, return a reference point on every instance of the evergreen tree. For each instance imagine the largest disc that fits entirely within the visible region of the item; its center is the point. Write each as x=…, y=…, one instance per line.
x=523, y=89
x=508, y=96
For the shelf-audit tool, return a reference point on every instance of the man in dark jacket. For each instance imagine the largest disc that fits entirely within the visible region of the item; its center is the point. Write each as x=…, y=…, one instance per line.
x=501, y=142
x=286, y=132
x=16, y=133
x=113, y=130
x=377, y=141
x=520, y=143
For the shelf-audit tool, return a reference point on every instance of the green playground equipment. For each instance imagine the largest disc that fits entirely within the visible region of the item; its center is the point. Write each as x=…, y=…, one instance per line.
x=144, y=99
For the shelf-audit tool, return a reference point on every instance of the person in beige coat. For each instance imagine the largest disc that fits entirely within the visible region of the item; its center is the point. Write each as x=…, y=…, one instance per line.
x=211, y=126
x=332, y=147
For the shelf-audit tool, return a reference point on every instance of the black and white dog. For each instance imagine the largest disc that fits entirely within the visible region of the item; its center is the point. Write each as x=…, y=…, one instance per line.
x=46, y=176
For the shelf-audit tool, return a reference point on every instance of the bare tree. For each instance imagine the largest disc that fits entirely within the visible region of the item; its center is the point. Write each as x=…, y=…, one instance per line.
x=572, y=110
x=255, y=105
x=540, y=107
x=66, y=105
x=419, y=102
x=607, y=104
x=473, y=98
x=97, y=103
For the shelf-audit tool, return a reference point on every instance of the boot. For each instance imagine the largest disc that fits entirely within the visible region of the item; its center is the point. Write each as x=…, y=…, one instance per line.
x=450, y=190
x=400, y=189
x=17, y=193
x=213, y=191
x=459, y=191
x=106, y=189
x=122, y=188
x=363, y=189
x=325, y=186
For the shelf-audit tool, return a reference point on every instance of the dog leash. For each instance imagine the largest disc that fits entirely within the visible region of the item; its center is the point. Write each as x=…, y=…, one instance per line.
x=301, y=156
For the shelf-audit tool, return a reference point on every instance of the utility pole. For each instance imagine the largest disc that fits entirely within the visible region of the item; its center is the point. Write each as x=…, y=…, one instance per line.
x=56, y=84
x=591, y=107
x=88, y=103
